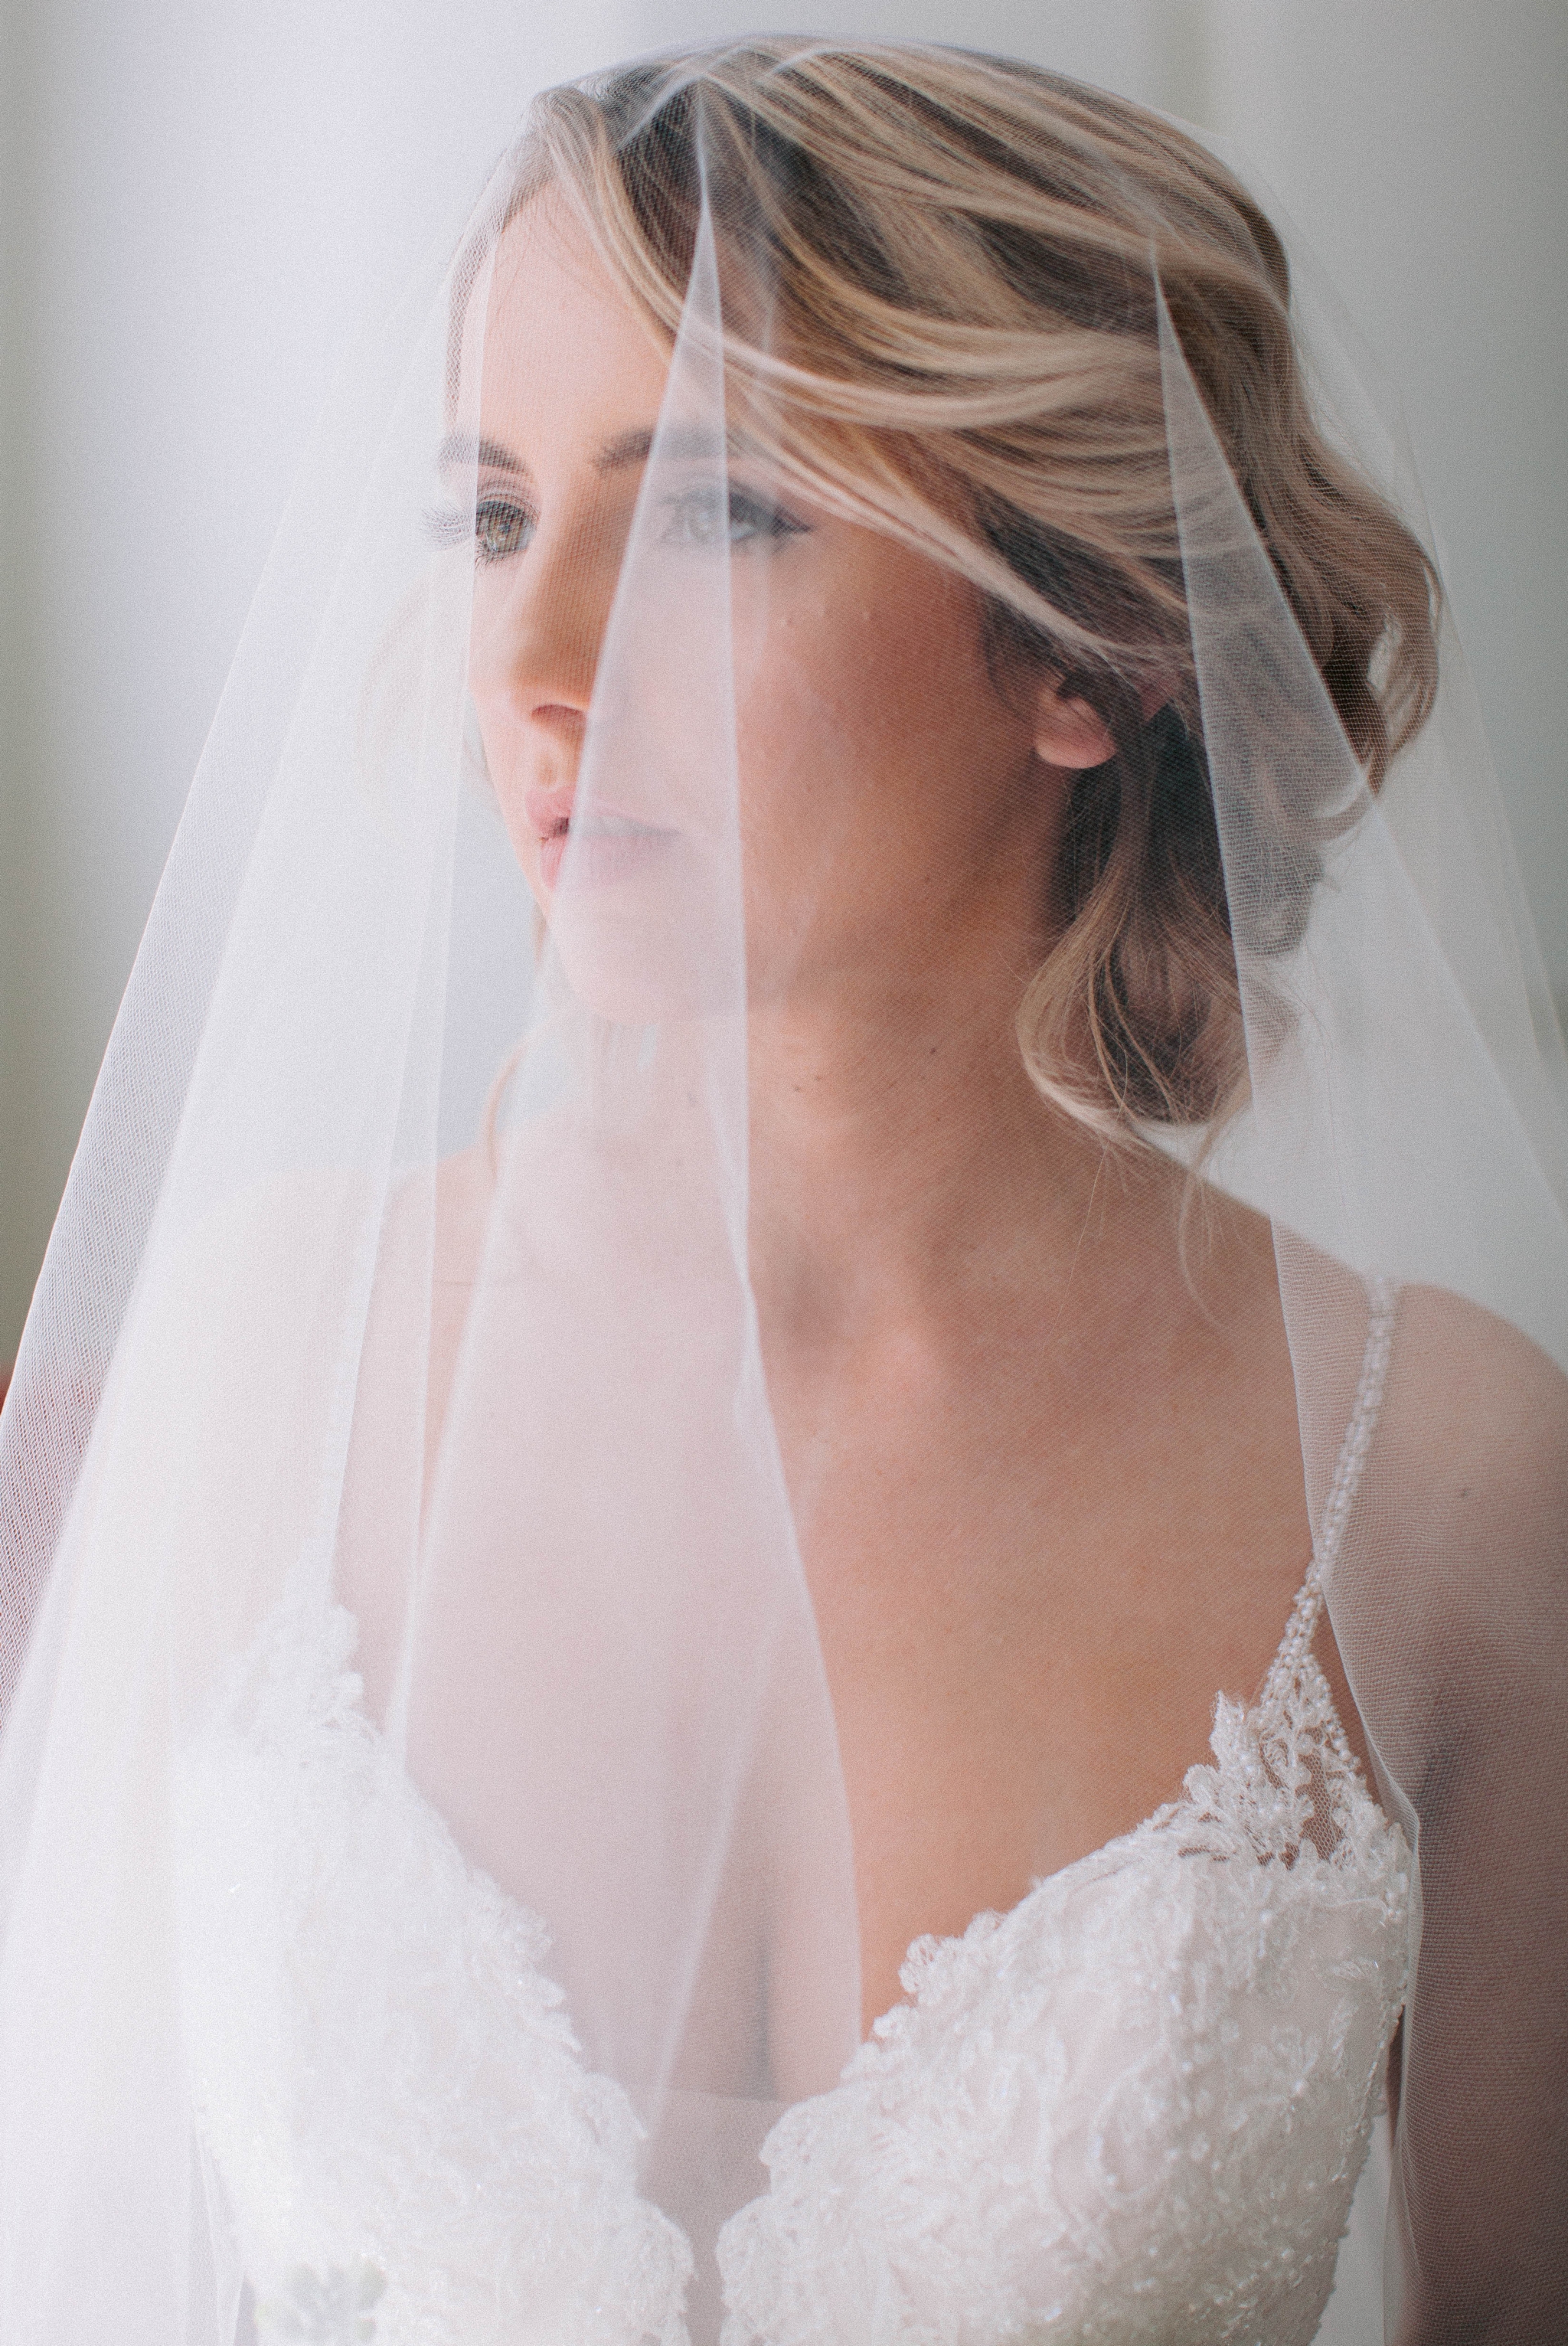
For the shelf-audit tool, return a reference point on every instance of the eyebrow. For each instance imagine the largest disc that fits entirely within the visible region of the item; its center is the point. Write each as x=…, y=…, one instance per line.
x=461, y=448
x=684, y=443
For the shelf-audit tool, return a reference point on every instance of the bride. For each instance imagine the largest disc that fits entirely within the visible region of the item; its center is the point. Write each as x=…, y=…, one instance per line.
x=793, y=1467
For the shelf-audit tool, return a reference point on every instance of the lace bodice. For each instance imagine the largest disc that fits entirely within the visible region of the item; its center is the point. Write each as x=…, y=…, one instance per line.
x=1133, y=2108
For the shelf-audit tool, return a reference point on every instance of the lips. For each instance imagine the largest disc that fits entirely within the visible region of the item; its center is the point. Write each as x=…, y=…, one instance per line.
x=605, y=844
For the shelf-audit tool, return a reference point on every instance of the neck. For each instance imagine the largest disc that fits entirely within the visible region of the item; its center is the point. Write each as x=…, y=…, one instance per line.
x=899, y=1152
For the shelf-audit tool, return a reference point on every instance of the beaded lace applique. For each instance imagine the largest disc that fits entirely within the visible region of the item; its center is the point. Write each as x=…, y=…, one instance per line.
x=1131, y=2112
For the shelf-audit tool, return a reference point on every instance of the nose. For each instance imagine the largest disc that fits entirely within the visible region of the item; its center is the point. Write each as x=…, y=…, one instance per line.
x=535, y=644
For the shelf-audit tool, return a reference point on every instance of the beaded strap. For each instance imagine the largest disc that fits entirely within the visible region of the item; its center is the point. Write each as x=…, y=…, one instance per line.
x=1302, y=1626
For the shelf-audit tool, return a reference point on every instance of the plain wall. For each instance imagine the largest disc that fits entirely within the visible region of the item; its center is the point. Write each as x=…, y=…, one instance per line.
x=201, y=198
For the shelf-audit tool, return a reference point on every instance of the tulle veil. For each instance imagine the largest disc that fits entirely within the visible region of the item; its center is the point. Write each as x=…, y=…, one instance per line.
x=395, y=1368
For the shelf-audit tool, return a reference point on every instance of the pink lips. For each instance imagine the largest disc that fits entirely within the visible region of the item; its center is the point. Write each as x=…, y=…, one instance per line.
x=607, y=843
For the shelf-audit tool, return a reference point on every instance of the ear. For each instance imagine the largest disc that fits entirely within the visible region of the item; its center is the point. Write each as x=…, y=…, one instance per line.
x=1070, y=734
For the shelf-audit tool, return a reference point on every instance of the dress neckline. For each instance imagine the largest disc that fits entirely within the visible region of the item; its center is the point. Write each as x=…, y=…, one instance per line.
x=1292, y=1655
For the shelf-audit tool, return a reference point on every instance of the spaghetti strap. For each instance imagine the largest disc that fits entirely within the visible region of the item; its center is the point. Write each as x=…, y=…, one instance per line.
x=1382, y=1299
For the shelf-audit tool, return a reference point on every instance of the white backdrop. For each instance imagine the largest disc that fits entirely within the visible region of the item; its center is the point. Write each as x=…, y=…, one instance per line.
x=200, y=198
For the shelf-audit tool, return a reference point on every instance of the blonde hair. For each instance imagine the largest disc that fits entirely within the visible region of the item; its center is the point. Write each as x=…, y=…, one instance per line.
x=961, y=259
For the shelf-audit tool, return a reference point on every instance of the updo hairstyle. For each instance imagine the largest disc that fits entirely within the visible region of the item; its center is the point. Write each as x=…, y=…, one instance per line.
x=939, y=287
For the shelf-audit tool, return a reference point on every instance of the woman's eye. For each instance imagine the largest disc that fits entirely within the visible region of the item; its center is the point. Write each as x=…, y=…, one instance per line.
x=500, y=528
x=713, y=516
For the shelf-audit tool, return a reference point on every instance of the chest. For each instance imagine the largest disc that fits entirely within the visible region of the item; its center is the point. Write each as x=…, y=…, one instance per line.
x=1032, y=1573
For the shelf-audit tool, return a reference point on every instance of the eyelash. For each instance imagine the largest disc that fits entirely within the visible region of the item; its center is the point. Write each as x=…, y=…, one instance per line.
x=762, y=519
x=450, y=527
x=515, y=522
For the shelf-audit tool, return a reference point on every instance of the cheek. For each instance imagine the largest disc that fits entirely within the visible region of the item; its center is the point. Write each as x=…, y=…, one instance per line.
x=503, y=768
x=839, y=838
x=873, y=715
x=495, y=710
x=525, y=848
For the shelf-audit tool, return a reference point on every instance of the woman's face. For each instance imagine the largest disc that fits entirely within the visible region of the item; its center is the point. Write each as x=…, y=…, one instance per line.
x=893, y=805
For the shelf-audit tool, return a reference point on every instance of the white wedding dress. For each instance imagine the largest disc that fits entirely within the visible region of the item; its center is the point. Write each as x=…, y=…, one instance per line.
x=1134, y=2108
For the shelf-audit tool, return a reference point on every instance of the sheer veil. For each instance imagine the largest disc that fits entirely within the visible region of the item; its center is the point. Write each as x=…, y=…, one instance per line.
x=393, y=1388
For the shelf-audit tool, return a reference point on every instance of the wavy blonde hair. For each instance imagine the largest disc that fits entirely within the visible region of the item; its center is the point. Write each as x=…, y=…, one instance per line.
x=939, y=277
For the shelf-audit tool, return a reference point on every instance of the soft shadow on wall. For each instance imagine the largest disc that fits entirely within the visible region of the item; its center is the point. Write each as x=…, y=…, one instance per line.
x=197, y=204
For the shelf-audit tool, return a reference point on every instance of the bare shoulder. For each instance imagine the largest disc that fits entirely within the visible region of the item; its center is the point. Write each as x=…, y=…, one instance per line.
x=440, y=1218
x=1466, y=1498
x=1474, y=1413
x=1465, y=1494
x=1475, y=1410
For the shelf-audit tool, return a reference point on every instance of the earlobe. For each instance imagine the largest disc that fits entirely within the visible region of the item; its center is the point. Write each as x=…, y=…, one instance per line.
x=1069, y=733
